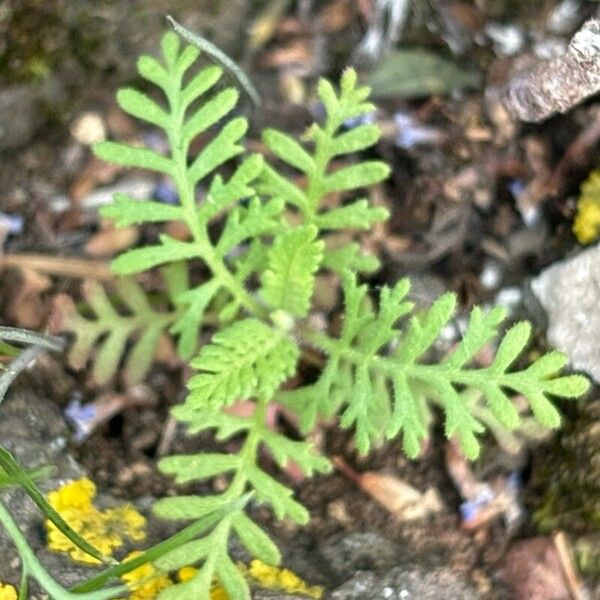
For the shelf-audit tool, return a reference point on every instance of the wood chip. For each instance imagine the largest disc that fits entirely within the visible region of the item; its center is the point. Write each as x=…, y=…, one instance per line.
x=558, y=84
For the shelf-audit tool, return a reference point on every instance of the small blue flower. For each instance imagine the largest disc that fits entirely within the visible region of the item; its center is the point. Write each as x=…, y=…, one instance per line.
x=12, y=223
x=81, y=417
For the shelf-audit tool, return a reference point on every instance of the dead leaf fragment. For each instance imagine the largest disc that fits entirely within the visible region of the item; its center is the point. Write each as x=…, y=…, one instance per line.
x=110, y=240
x=401, y=499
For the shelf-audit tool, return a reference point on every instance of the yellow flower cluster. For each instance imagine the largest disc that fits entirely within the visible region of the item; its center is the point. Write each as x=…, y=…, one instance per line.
x=103, y=529
x=146, y=582
x=7, y=592
x=274, y=578
x=586, y=226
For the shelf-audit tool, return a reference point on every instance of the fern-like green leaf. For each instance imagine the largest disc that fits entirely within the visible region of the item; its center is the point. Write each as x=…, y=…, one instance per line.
x=104, y=338
x=190, y=467
x=142, y=107
x=360, y=355
x=289, y=150
x=131, y=156
x=256, y=240
x=238, y=187
x=358, y=215
x=277, y=495
x=288, y=282
x=224, y=424
x=357, y=176
x=142, y=259
x=321, y=182
x=223, y=147
x=249, y=222
x=255, y=540
x=300, y=452
x=126, y=211
x=349, y=258
x=181, y=508
x=193, y=303
x=242, y=361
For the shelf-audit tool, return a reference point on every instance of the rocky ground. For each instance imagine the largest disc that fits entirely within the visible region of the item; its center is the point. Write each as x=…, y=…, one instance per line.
x=480, y=205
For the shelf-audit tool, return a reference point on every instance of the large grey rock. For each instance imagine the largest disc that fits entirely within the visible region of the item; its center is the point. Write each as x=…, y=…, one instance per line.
x=406, y=583
x=570, y=293
x=359, y=552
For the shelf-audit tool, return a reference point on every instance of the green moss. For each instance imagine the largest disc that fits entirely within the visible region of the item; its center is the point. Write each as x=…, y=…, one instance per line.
x=513, y=9
x=570, y=476
x=33, y=40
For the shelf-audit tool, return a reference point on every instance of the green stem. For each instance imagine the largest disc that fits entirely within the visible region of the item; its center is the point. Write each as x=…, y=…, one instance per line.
x=10, y=466
x=215, y=263
x=35, y=568
x=249, y=451
x=474, y=378
x=175, y=541
x=232, y=285
x=314, y=191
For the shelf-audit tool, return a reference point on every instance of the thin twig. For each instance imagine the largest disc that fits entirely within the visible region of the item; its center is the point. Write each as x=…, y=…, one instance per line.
x=218, y=56
x=19, y=364
x=558, y=84
x=566, y=563
x=57, y=265
x=23, y=336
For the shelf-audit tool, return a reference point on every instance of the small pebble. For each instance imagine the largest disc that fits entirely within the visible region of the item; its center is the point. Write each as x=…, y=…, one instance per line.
x=508, y=39
x=491, y=275
x=88, y=128
x=510, y=297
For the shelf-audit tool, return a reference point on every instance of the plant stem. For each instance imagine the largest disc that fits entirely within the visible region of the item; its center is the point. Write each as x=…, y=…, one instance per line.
x=249, y=450
x=35, y=568
x=175, y=541
x=14, y=334
x=187, y=195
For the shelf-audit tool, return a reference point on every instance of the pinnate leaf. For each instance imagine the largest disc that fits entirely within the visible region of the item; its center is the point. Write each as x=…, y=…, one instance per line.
x=358, y=215
x=289, y=150
x=142, y=259
x=127, y=211
x=132, y=156
x=288, y=282
x=244, y=360
x=142, y=107
x=357, y=176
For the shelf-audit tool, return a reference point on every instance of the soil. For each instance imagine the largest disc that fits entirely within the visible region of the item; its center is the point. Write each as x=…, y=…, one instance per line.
x=455, y=216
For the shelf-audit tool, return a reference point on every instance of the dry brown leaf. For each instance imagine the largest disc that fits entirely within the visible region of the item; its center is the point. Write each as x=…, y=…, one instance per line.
x=59, y=266
x=166, y=352
x=178, y=230
x=28, y=308
x=337, y=15
x=401, y=499
x=96, y=172
x=111, y=239
x=265, y=25
x=297, y=53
